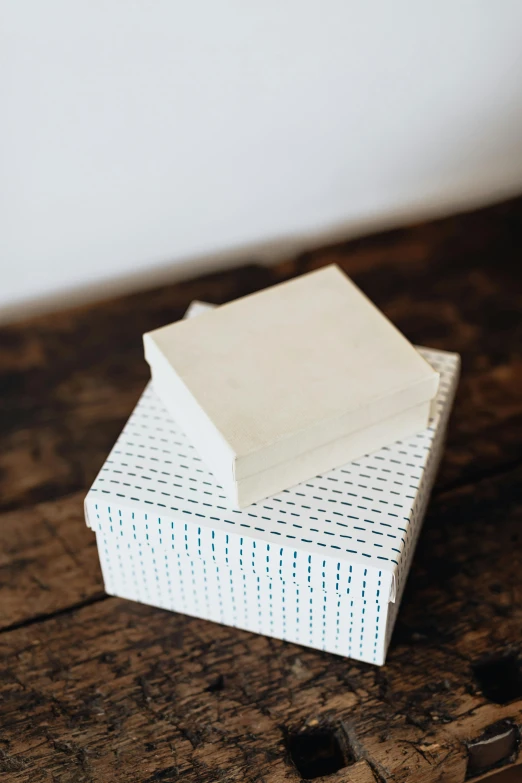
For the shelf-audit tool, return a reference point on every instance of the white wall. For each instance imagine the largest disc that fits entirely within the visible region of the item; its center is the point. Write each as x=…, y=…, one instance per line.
x=136, y=135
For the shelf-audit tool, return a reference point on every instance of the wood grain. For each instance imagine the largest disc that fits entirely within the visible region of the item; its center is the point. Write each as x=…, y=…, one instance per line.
x=97, y=692
x=48, y=561
x=93, y=688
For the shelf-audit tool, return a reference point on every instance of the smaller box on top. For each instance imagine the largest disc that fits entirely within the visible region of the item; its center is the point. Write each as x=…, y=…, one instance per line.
x=282, y=385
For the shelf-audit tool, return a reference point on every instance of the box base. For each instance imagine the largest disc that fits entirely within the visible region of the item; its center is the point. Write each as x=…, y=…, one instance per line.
x=343, y=624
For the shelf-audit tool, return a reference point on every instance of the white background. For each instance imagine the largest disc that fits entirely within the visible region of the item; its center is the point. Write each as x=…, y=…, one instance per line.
x=144, y=140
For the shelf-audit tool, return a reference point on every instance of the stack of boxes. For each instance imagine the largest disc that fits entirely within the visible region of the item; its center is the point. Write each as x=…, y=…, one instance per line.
x=275, y=472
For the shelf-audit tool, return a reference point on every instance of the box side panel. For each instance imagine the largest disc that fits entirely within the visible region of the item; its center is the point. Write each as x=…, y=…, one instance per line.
x=251, y=489
x=342, y=623
x=232, y=550
x=210, y=443
x=331, y=443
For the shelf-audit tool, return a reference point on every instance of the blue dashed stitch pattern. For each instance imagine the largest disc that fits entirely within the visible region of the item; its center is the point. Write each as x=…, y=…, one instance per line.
x=316, y=565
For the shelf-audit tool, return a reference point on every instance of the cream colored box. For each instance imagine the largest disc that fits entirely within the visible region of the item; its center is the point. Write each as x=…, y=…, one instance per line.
x=290, y=382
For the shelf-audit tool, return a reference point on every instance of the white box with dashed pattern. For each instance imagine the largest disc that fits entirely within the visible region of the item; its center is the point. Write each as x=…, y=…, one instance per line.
x=323, y=564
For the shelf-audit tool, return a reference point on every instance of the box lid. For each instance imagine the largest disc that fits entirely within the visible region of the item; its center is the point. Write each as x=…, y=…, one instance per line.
x=365, y=514
x=285, y=371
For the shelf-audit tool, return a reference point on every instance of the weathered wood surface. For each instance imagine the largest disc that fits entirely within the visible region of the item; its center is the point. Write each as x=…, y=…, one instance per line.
x=48, y=561
x=97, y=689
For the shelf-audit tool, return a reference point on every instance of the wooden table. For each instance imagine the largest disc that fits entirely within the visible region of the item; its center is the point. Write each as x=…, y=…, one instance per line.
x=94, y=688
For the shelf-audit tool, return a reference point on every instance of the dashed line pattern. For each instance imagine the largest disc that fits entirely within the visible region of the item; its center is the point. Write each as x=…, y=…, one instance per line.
x=168, y=536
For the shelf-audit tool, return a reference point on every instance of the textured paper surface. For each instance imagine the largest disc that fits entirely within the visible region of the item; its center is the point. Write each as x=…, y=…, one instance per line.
x=283, y=372
x=317, y=565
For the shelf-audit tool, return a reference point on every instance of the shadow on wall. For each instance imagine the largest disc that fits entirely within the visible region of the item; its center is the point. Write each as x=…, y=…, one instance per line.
x=152, y=275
